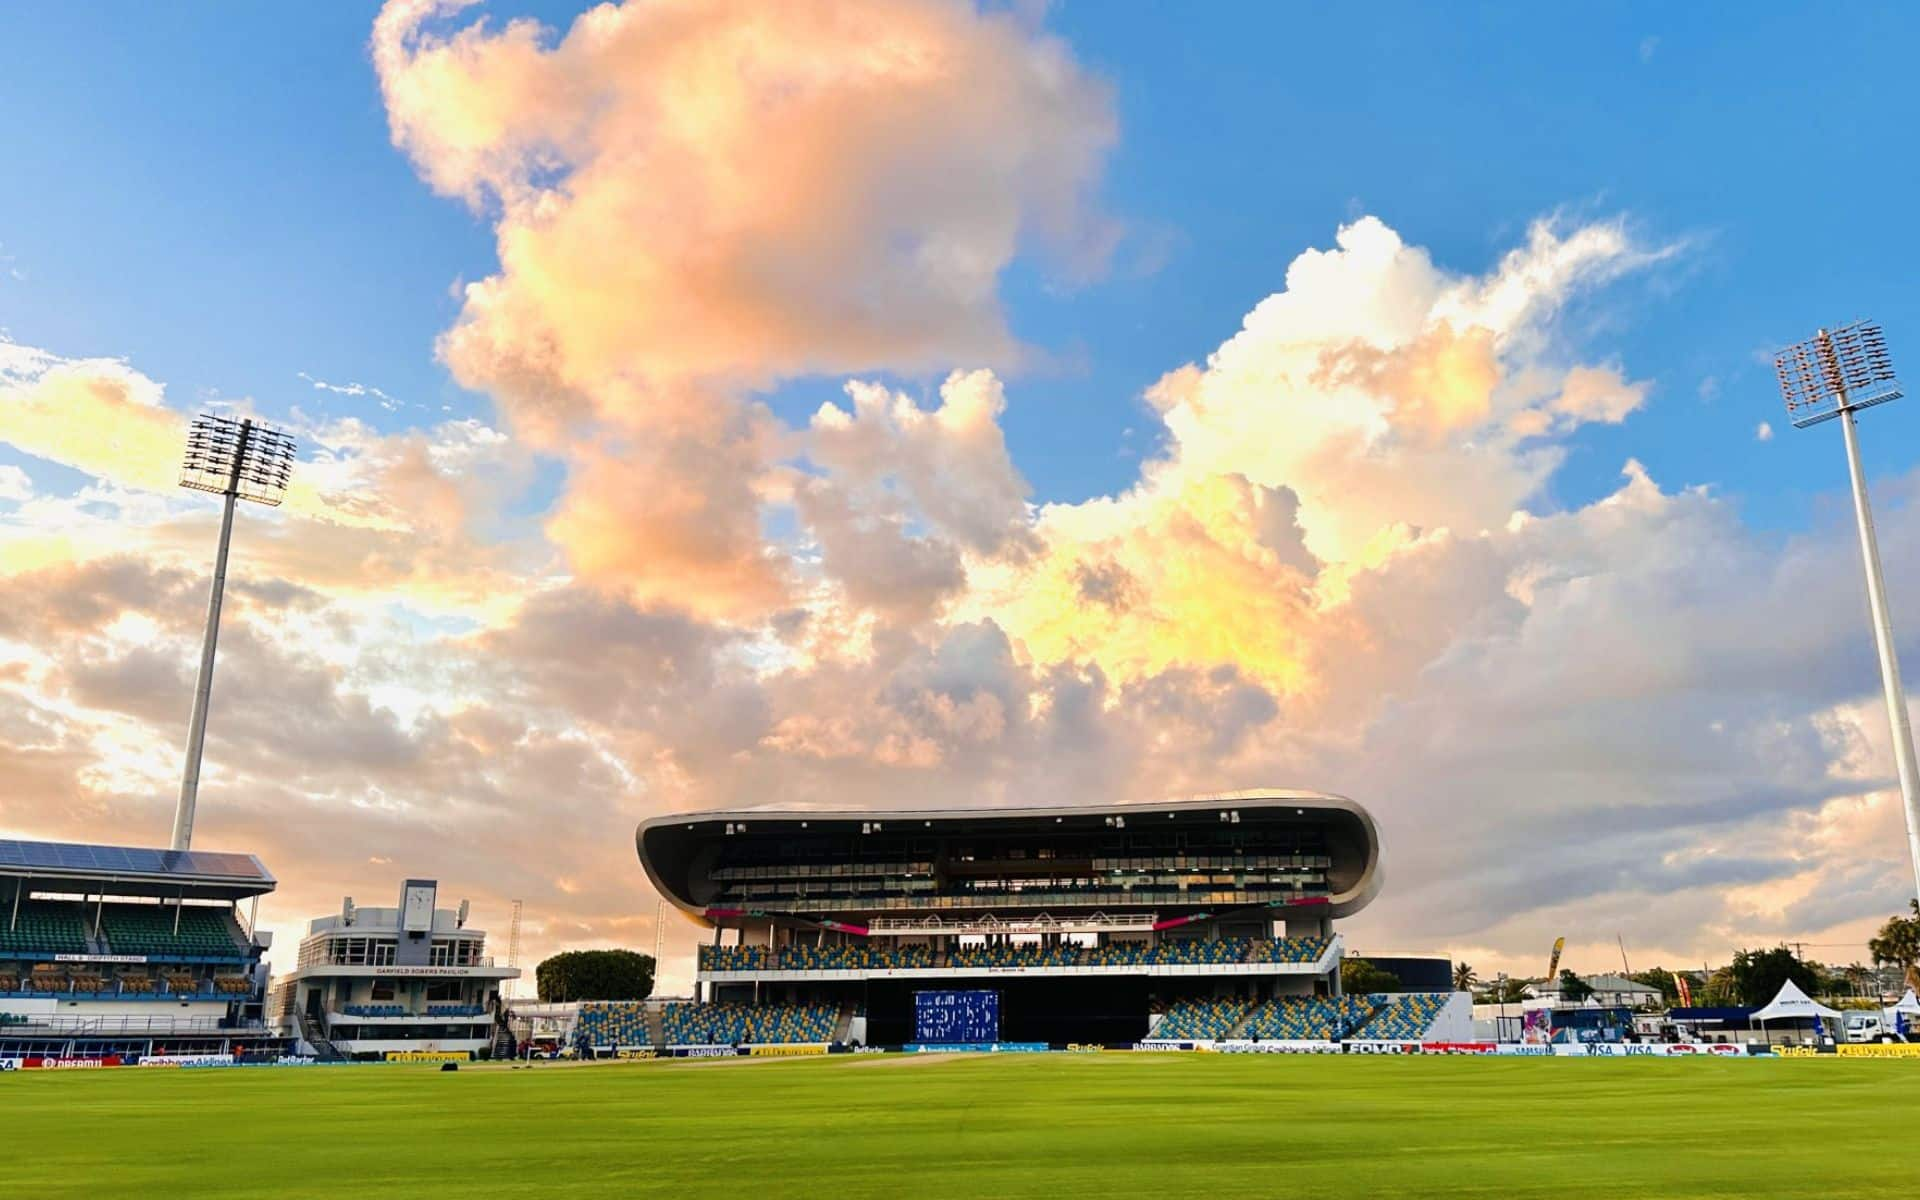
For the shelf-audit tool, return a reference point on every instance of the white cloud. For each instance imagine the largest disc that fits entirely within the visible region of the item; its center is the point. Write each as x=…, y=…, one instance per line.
x=1763, y=431
x=353, y=389
x=14, y=484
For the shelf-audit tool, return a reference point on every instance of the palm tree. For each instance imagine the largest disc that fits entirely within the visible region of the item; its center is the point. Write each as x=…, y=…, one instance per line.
x=1464, y=978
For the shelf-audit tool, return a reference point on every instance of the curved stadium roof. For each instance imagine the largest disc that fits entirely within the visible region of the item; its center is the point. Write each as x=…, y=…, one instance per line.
x=678, y=849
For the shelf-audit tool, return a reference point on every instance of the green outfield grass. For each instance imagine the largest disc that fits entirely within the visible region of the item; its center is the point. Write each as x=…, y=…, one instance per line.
x=1055, y=1125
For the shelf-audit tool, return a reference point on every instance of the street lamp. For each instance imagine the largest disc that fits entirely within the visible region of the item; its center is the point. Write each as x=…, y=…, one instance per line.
x=1834, y=374
x=240, y=460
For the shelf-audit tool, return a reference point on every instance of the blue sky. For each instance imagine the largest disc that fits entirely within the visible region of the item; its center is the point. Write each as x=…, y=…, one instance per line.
x=208, y=190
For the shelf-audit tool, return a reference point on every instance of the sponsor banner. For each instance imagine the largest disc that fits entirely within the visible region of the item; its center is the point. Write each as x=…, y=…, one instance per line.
x=1880, y=1050
x=11, y=1064
x=787, y=1050
x=101, y=958
x=703, y=1052
x=648, y=1052
x=187, y=1060
x=1164, y=1044
x=1085, y=1048
x=1376, y=1047
x=1244, y=1046
x=1459, y=1047
x=61, y=1064
x=977, y=1047
x=429, y=1055
x=1526, y=1049
x=1643, y=1050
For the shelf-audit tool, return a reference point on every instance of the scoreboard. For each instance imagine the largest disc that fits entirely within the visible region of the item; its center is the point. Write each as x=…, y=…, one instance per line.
x=956, y=1017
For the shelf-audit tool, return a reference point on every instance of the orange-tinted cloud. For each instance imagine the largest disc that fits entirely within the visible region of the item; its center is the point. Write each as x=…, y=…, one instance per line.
x=693, y=198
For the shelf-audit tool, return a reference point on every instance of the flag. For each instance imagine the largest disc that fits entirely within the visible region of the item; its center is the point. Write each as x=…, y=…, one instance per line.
x=1686, y=989
x=1553, y=964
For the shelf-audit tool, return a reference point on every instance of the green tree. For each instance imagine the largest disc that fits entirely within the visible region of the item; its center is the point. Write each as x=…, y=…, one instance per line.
x=595, y=975
x=1756, y=976
x=1505, y=991
x=1359, y=975
x=1464, y=978
x=1659, y=977
x=1898, y=944
x=1719, y=992
x=1573, y=989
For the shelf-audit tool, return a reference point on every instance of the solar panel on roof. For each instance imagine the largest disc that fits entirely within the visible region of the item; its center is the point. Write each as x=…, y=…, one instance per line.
x=75, y=856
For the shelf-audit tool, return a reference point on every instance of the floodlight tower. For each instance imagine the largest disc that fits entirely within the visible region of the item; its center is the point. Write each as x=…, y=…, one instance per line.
x=1834, y=374
x=240, y=460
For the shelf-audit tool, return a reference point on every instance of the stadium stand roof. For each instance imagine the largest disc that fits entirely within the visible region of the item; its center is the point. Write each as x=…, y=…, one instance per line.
x=679, y=851
x=132, y=871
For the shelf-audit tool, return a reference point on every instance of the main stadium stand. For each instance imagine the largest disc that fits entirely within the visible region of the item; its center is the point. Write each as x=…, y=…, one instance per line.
x=1086, y=919
x=91, y=963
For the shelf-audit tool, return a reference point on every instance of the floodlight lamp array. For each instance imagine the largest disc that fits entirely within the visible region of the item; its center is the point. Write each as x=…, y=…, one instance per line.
x=245, y=458
x=1835, y=371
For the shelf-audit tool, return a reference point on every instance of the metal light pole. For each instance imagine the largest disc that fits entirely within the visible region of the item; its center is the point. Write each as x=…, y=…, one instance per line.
x=1834, y=374
x=240, y=460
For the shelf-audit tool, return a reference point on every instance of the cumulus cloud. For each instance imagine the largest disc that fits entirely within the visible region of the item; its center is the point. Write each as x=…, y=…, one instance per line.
x=793, y=188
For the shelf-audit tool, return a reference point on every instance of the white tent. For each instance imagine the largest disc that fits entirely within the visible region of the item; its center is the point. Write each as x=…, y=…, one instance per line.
x=1908, y=1004
x=1794, y=1004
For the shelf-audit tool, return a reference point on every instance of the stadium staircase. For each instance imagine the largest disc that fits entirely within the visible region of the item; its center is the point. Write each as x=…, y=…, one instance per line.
x=843, y=1023
x=656, y=1028
x=325, y=1050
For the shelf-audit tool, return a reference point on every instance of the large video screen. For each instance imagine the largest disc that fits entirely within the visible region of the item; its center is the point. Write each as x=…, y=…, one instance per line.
x=956, y=1017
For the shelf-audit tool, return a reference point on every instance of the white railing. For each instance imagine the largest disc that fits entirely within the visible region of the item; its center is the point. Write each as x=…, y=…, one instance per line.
x=987, y=923
x=154, y=1026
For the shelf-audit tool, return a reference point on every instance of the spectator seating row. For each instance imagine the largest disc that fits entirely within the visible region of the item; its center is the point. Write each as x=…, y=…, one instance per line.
x=1204, y=952
x=730, y=1024
x=49, y=977
x=149, y=929
x=1309, y=1018
x=455, y=1010
x=1014, y=955
x=376, y=1010
x=46, y=926
x=1403, y=1017
x=1201, y=1019
x=889, y=956
x=1288, y=950
x=837, y=957
x=615, y=1023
